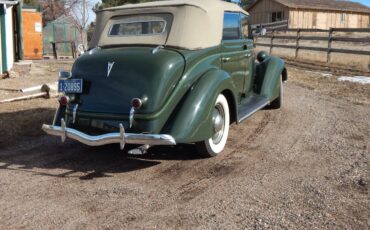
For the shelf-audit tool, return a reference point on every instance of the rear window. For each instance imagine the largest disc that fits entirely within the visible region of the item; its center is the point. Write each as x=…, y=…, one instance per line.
x=145, y=29
x=137, y=28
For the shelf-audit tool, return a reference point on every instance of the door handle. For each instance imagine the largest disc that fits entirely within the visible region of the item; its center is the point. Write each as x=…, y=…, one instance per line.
x=225, y=59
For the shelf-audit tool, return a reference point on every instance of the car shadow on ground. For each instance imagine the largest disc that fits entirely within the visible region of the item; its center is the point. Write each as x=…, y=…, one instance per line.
x=18, y=126
x=33, y=151
x=97, y=162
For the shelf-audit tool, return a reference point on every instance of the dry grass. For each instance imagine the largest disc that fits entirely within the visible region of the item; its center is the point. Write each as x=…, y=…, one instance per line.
x=329, y=85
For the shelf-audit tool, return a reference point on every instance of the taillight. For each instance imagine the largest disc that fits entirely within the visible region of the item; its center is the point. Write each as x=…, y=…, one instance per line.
x=64, y=100
x=136, y=103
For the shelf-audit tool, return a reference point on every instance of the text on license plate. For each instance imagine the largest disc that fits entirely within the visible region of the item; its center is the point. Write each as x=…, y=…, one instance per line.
x=70, y=86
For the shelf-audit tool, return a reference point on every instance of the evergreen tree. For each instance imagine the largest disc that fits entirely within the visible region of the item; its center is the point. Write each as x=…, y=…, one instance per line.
x=32, y=4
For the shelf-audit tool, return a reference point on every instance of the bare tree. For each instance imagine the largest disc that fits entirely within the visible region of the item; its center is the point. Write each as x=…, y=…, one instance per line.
x=53, y=9
x=80, y=11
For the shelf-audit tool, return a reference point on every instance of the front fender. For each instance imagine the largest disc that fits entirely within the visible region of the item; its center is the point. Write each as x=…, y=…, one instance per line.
x=268, y=74
x=192, y=120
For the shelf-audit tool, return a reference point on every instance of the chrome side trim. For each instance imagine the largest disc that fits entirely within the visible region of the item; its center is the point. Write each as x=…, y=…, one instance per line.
x=110, y=138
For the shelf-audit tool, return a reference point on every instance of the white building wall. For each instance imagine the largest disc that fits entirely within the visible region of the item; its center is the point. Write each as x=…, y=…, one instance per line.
x=9, y=36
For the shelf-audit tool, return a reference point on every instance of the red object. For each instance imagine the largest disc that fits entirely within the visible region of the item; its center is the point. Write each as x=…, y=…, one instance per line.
x=136, y=103
x=63, y=100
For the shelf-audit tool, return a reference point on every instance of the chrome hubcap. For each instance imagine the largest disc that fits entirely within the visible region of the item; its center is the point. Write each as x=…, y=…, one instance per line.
x=218, y=123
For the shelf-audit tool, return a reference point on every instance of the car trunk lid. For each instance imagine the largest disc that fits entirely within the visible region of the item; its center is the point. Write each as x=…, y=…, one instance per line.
x=113, y=77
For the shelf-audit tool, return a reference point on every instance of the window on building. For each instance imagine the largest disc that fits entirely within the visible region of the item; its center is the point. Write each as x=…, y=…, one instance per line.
x=276, y=16
x=231, y=26
x=343, y=17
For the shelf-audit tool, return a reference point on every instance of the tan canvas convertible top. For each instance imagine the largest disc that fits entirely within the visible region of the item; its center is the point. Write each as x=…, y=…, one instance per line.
x=196, y=24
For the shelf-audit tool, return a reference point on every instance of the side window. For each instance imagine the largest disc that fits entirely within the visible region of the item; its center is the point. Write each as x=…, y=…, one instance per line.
x=245, y=26
x=231, y=26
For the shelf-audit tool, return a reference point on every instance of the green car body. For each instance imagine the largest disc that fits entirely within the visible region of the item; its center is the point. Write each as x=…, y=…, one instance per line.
x=178, y=88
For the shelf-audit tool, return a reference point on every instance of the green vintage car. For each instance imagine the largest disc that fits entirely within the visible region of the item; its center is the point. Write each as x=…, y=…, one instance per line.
x=167, y=73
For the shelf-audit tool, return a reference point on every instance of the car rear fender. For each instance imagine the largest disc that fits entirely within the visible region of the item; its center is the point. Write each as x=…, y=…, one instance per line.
x=192, y=120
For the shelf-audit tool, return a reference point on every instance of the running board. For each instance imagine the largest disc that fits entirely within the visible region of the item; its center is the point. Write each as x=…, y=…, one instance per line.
x=250, y=106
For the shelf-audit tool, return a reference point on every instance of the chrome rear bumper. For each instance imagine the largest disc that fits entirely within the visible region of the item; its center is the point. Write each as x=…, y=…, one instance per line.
x=110, y=138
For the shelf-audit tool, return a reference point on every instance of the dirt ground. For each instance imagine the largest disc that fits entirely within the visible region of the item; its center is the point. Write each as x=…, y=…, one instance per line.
x=302, y=167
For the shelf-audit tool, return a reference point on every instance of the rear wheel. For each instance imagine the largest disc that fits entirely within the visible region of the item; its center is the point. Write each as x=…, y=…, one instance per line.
x=278, y=102
x=221, y=122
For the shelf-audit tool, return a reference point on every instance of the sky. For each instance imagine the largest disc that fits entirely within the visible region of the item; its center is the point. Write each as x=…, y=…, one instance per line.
x=92, y=14
x=365, y=2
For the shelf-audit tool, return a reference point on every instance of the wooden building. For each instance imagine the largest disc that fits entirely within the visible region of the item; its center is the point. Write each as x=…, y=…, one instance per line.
x=311, y=14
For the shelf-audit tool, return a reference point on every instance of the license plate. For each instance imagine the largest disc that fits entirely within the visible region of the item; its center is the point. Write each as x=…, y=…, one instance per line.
x=70, y=86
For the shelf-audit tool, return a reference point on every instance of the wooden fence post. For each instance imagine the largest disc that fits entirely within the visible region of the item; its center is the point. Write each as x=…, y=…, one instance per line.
x=297, y=43
x=54, y=50
x=272, y=41
x=73, y=48
x=330, y=39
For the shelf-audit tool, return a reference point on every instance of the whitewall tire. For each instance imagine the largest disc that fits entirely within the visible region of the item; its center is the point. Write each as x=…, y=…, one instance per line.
x=221, y=123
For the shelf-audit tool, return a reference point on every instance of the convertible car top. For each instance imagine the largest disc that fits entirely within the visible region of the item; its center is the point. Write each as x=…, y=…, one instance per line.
x=195, y=24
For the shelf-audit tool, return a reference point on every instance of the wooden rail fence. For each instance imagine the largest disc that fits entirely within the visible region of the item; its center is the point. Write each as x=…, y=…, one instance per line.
x=329, y=38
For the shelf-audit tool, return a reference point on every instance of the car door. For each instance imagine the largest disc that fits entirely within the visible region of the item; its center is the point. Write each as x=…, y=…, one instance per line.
x=249, y=57
x=233, y=59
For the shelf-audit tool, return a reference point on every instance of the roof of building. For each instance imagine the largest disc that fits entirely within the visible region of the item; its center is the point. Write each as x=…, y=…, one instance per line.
x=332, y=5
x=205, y=5
x=197, y=24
